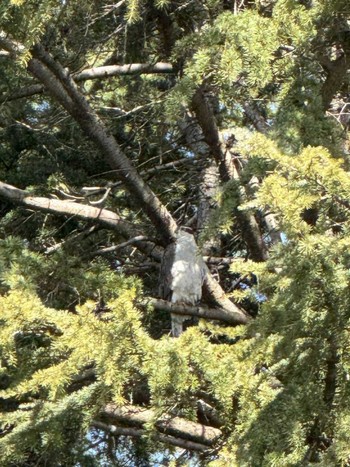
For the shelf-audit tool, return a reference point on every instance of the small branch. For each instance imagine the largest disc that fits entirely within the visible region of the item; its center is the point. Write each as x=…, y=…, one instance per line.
x=132, y=241
x=92, y=191
x=119, y=113
x=219, y=260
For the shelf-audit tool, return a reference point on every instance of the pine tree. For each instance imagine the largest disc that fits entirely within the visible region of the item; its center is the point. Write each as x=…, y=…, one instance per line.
x=121, y=122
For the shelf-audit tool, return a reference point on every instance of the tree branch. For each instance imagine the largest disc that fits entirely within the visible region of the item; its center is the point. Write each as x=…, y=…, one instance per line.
x=172, y=426
x=230, y=317
x=103, y=217
x=248, y=224
x=335, y=77
x=131, y=241
x=128, y=69
x=138, y=432
x=102, y=72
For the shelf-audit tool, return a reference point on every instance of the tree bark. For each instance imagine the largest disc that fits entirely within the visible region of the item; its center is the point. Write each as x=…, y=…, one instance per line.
x=104, y=217
x=336, y=74
x=128, y=69
x=248, y=225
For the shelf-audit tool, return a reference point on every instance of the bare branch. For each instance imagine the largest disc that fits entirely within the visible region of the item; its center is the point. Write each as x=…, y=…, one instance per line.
x=128, y=69
x=138, y=432
x=230, y=317
x=92, y=191
x=131, y=241
x=173, y=426
x=102, y=72
x=103, y=217
x=219, y=260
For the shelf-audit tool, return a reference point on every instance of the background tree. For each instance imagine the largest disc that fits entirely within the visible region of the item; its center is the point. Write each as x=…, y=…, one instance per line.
x=120, y=123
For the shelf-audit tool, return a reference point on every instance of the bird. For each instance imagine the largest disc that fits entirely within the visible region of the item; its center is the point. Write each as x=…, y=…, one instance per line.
x=182, y=274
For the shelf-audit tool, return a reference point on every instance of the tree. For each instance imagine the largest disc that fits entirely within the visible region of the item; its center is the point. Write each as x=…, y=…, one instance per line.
x=120, y=123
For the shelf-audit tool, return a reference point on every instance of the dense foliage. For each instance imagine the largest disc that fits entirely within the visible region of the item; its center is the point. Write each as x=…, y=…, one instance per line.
x=119, y=123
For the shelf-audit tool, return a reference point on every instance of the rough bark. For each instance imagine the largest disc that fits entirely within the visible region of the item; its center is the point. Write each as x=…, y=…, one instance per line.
x=206, y=120
x=336, y=73
x=209, y=180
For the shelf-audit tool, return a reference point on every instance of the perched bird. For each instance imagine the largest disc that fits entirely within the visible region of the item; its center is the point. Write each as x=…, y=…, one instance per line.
x=182, y=273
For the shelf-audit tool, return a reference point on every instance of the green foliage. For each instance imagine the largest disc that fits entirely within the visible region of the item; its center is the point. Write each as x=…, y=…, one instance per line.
x=43, y=350
x=301, y=349
x=72, y=336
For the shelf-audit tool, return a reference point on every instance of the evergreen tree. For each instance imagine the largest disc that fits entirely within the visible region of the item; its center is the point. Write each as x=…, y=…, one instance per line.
x=120, y=123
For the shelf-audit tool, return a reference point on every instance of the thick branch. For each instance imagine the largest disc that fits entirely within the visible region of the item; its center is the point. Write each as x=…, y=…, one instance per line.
x=22, y=92
x=138, y=432
x=128, y=69
x=103, y=217
x=220, y=314
x=255, y=117
x=208, y=125
x=248, y=224
x=172, y=426
x=97, y=73
x=336, y=74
